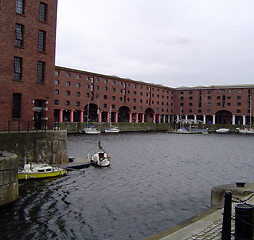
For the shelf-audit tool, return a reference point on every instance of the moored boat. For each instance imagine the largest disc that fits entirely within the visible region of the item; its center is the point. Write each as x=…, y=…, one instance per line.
x=91, y=130
x=100, y=158
x=112, y=129
x=222, y=130
x=38, y=170
x=246, y=130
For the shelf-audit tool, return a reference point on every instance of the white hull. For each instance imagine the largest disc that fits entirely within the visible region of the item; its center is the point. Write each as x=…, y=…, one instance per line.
x=246, y=131
x=112, y=130
x=100, y=159
x=91, y=131
x=222, y=130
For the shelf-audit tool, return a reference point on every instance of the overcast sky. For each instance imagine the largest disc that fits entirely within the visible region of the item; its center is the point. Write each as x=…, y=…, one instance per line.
x=169, y=42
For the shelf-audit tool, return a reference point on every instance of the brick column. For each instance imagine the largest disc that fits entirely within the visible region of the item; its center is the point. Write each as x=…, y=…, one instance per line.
x=204, y=119
x=233, y=119
x=61, y=115
x=108, y=117
x=71, y=115
x=136, y=117
x=82, y=116
x=214, y=119
x=130, y=117
x=143, y=117
x=159, y=118
x=99, y=116
x=116, y=117
x=154, y=118
x=244, y=120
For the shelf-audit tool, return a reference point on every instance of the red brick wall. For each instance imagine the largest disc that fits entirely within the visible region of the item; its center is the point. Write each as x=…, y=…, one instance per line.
x=28, y=86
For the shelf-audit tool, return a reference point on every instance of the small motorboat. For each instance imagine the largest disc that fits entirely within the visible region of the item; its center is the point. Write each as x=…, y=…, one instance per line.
x=38, y=170
x=100, y=158
x=222, y=130
x=112, y=129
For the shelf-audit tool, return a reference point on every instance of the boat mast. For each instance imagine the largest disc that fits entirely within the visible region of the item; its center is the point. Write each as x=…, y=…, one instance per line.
x=250, y=111
x=110, y=116
x=87, y=117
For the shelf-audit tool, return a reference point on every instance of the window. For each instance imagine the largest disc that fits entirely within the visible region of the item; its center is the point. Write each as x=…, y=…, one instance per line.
x=68, y=93
x=113, y=106
x=114, y=82
x=68, y=75
x=181, y=98
x=218, y=97
x=56, y=91
x=20, y=6
x=43, y=12
x=135, y=86
x=190, y=104
x=78, y=94
x=105, y=81
x=97, y=79
x=56, y=73
x=239, y=91
x=67, y=103
x=106, y=89
x=17, y=68
x=97, y=87
x=40, y=71
x=238, y=104
x=105, y=105
x=113, y=89
x=135, y=92
x=16, y=105
x=97, y=95
x=238, y=97
x=238, y=111
x=141, y=94
x=113, y=98
x=78, y=76
x=78, y=85
x=105, y=96
x=209, y=97
x=77, y=104
x=209, y=91
x=41, y=41
x=67, y=84
x=87, y=86
x=87, y=78
x=218, y=104
x=56, y=82
x=87, y=95
x=134, y=100
x=19, y=35
x=190, y=97
x=56, y=102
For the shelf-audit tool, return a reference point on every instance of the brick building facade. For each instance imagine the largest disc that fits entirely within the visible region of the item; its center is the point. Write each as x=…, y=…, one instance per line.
x=126, y=100
x=35, y=93
x=28, y=33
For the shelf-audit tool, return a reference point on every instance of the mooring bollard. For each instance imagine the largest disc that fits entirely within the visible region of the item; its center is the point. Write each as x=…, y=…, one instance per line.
x=226, y=225
x=244, y=221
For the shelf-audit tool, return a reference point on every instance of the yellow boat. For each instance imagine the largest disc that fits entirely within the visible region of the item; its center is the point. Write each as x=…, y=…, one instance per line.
x=37, y=170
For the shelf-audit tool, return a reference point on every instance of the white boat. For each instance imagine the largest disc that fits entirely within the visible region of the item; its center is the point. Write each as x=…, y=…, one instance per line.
x=222, y=130
x=100, y=158
x=112, y=129
x=38, y=170
x=91, y=130
x=246, y=130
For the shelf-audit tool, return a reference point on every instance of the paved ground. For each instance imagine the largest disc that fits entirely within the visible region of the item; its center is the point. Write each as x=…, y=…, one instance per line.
x=205, y=226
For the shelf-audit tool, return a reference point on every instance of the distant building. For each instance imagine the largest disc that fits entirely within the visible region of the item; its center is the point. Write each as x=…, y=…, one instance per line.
x=28, y=32
x=35, y=93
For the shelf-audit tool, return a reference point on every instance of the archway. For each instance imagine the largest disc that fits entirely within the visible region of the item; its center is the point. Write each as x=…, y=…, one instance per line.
x=149, y=112
x=123, y=114
x=223, y=117
x=90, y=113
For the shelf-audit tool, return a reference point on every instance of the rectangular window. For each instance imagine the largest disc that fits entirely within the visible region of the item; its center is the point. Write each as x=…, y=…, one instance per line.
x=40, y=72
x=17, y=68
x=41, y=41
x=19, y=35
x=20, y=6
x=43, y=12
x=67, y=84
x=16, y=105
x=56, y=73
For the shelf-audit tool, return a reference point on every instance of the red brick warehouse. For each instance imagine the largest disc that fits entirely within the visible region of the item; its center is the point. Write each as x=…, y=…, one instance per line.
x=28, y=33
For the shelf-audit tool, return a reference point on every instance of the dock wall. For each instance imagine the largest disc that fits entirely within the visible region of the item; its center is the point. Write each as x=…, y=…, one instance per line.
x=74, y=127
x=36, y=146
x=9, y=191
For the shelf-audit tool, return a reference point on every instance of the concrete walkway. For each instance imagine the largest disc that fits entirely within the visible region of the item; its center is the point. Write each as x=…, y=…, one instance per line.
x=207, y=225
